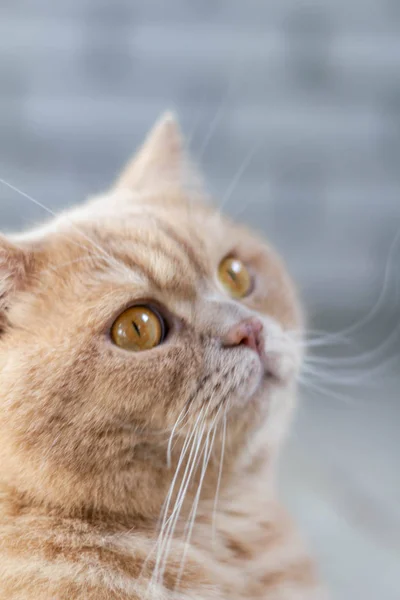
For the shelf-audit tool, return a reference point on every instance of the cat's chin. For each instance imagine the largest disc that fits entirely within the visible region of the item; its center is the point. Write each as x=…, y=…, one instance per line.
x=257, y=391
x=269, y=386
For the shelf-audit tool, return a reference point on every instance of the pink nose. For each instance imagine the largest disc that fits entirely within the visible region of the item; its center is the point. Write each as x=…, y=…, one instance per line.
x=246, y=333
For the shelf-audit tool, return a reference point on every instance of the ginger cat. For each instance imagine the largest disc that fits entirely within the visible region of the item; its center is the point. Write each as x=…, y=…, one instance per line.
x=149, y=349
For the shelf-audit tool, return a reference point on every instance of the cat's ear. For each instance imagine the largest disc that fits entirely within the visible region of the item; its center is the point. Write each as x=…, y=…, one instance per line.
x=162, y=159
x=14, y=266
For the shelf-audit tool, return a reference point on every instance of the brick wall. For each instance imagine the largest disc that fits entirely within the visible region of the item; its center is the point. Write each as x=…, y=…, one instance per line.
x=310, y=90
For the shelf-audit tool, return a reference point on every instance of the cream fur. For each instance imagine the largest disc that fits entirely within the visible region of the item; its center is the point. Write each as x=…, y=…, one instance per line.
x=85, y=427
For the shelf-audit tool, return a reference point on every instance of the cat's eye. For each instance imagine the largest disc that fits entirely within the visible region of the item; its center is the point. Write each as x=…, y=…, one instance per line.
x=235, y=277
x=138, y=328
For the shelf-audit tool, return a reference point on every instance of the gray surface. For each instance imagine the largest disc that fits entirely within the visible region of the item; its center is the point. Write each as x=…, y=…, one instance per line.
x=300, y=103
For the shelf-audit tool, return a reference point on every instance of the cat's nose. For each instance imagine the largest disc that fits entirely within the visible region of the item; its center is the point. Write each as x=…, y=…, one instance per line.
x=246, y=333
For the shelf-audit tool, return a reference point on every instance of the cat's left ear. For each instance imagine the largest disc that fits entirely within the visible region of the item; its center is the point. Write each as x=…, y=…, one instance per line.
x=14, y=266
x=162, y=159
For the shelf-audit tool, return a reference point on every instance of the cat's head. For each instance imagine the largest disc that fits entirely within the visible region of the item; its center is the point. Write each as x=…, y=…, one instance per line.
x=141, y=314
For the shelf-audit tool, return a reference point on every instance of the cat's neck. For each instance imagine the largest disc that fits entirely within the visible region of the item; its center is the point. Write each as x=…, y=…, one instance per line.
x=137, y=498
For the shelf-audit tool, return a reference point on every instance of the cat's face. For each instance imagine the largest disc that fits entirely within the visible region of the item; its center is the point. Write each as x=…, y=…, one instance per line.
x=141, y=312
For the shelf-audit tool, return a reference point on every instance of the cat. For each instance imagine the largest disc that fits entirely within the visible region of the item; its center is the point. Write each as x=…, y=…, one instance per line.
x=149, y=351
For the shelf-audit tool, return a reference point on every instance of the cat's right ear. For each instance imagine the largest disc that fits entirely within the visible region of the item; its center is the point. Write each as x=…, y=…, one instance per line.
x=163, y=158
x=14, y=267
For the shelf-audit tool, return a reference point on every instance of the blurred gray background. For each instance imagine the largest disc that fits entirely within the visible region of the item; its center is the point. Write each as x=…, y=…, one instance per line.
x=293, y=110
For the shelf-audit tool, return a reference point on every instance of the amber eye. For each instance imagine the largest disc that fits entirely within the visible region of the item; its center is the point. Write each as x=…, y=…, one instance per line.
x=138, y=328
x=235, y=278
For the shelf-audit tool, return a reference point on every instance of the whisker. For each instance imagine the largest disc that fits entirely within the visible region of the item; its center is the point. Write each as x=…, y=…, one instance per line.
x=181, y=416
x=221, y=464
x=24, y=195
x=55, y=268
x=173, y=519
x=342, y=379
x=250, y=200
x=167, y=501
x=364, y=358
x=207, y=450
x=239, y=174
x=325, y=392
x=168, y=526
x=311, y=338
x=218, y=115
x=111, y=260
x=374, y=311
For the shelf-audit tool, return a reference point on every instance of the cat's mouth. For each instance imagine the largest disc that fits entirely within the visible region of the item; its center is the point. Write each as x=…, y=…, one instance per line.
x=236, y=377
x=253, y=378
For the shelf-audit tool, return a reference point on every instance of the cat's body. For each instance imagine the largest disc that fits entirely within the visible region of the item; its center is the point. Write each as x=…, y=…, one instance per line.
x=147, y=473
x=255, y=553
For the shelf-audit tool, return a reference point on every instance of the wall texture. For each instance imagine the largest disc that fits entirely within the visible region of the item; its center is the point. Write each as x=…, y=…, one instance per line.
x=310, y=90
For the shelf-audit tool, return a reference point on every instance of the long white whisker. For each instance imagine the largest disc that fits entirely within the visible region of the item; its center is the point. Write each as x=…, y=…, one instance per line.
x=217, y=118
x=207, y=450
x=173, y=519
x=255, y=199
x=111, y=260
x=166, y=533
x=21, y=193
x=217, y=491
x=324, y=392
x=239, y=174
x=341, y=379
x=180, y=418
x=188, y=440
x=167, y=501
x=358, y=325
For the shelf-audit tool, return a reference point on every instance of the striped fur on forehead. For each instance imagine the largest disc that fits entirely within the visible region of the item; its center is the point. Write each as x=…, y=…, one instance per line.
x=162, y=248
x=166, y=258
